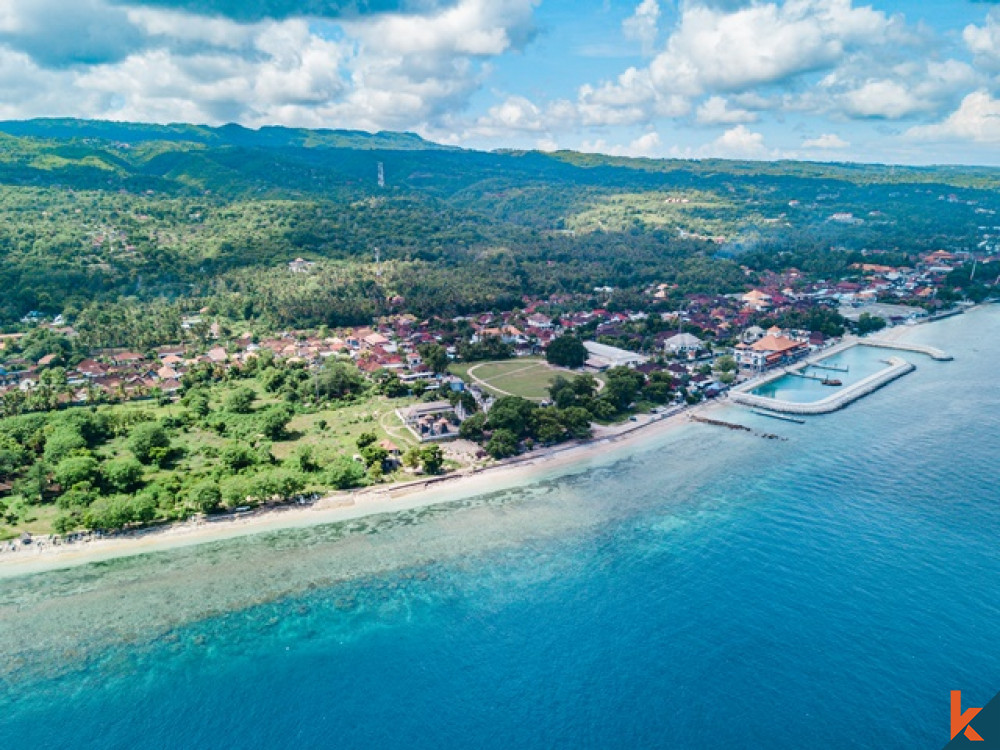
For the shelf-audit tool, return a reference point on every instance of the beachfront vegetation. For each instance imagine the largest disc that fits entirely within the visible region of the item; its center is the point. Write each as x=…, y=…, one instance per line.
x=514, y=423
x=265, y=433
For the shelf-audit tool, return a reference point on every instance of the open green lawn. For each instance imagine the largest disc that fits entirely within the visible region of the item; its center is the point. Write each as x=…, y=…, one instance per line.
x=528, y=377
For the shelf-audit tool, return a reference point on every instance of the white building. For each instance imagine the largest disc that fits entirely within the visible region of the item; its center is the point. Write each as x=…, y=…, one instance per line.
x=683, y=342
x=603, y=357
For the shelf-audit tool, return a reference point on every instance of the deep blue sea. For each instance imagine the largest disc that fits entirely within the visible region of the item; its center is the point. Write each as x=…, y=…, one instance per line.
x=709, y=589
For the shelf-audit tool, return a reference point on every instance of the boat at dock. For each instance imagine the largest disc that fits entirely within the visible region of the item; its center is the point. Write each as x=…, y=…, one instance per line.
x=831, y=381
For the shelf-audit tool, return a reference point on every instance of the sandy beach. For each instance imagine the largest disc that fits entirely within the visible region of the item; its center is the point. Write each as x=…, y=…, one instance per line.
x=516, y=472
x=344, y=506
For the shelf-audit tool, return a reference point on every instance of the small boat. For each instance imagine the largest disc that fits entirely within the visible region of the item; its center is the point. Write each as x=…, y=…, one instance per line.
x=831, y=381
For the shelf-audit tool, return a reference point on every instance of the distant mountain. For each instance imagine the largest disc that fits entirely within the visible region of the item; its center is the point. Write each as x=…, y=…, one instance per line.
x=226, y=135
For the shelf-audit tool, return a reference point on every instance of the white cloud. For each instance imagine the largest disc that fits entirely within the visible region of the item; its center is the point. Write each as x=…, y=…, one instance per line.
x=827, y=141
x=736, y=143
x=865, y=89
x=977, y=120
x=716, y=111
x=716, y=51
x=740, y=143
x=762, y=44
x=647, y=145
x=890, y=99
x=643, y=25
x=479, y=28
x=984, y=42
x=385, y=71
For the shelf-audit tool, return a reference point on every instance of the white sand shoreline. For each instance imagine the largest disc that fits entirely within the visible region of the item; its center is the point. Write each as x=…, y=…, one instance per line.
x=346, y=506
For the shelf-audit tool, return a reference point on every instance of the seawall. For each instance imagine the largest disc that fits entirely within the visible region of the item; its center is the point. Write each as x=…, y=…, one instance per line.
x=931, y=351
x=849, y=394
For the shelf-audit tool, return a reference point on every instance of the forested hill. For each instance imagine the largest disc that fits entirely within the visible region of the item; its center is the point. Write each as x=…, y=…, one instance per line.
x=227, y=135
x=96, y=217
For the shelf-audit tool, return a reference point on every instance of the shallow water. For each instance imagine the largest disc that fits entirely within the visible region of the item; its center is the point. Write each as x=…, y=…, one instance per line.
x=860, y=361
x=710, y=589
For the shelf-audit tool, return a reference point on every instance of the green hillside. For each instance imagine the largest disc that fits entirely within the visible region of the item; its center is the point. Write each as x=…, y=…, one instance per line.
x=99, y=213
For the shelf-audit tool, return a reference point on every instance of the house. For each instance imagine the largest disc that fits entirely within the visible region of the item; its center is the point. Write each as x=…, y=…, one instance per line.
x=433, y=421
x=682, y=342
x=300, y=265
x=126, y=358
x=217, y=355
x=540, y=321
x=602, y=357
x=390, y=447
x=756, y=300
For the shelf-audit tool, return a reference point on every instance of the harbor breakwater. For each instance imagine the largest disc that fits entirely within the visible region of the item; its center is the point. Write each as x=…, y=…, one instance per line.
x=931, y=351
x=896, y=369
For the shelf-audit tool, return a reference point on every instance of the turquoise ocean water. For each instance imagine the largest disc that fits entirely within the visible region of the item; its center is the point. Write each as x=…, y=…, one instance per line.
x=859, y=361
x=707, y=589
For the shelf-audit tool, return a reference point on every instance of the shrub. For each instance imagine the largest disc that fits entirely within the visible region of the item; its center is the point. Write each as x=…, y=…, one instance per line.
x=108, y=513
x=236, y=491
x=272, y=422
x=277, y=483
x=62, y=442
x=205, y=496
x=76, y=470
x=345, y=473
x=146, y=437
x=432, y=459
x=566, y=351
x=123, y=474
x=235, y=457
x=502, y=444
x=240, y=401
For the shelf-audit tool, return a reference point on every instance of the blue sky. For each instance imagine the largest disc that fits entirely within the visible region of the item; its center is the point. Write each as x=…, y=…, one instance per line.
x=830, y=80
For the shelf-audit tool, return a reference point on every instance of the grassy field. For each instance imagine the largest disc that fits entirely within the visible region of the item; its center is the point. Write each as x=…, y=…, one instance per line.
x=528, y=377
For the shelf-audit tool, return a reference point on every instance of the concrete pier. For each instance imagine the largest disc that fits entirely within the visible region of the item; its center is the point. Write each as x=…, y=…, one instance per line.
x=931, y=351
x=897, y=368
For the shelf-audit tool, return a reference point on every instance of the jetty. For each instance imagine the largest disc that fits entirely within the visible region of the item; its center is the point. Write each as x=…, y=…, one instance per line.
x=807, y=376
x=897, y=368
x=931, y=351
x=835, y=368
x=774, y=415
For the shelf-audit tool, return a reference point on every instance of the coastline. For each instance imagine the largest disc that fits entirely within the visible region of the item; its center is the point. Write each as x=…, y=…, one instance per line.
x=346, y=506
